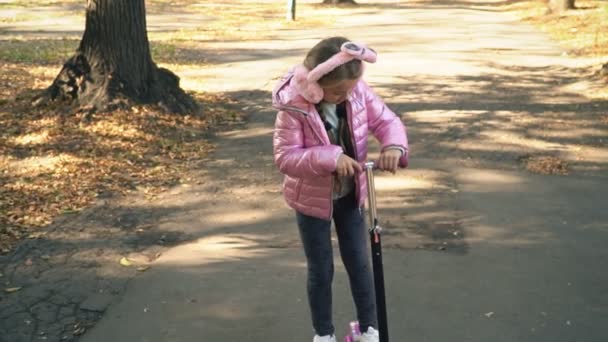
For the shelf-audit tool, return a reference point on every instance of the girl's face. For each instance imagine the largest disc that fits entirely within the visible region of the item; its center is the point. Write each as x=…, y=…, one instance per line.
x=338, y=92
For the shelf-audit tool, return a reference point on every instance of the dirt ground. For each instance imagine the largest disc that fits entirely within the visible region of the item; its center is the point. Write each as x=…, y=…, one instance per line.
x=496, y=232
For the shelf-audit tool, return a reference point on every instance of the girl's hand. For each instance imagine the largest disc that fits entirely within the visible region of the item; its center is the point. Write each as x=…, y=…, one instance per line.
x=389, y=160
x=347, y=166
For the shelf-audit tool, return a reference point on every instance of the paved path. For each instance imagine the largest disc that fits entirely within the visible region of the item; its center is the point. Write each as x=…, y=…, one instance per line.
x=477, y=248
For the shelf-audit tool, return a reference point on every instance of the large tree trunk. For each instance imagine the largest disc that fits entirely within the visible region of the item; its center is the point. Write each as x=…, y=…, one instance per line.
x=603, y=70
x=113, y=64
x=558, y=6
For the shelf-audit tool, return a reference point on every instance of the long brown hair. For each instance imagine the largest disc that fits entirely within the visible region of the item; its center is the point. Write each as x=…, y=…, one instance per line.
x=323, y=51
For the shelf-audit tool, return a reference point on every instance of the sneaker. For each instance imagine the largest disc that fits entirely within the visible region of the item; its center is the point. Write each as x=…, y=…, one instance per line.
x=326, y=338
x=371, y=335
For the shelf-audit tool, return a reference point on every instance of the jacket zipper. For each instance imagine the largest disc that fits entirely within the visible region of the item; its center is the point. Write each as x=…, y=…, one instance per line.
x=349, y=116
x=353, y=142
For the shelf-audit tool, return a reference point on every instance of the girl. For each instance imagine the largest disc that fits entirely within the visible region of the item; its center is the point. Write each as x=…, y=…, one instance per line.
x=320, y=141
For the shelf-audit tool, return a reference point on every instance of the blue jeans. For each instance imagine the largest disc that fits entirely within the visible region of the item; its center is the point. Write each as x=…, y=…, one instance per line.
x=353, y=242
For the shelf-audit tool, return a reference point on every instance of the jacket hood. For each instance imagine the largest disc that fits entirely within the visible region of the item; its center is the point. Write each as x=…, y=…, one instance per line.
x=287, y=94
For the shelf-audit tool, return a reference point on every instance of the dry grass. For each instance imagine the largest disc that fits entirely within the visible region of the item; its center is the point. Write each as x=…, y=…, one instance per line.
x=223, y=20
x=583, y=31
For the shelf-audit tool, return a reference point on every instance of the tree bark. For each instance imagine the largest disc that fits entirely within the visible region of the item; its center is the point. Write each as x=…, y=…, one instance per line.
x=113, y=65
x=604, y=70
x=291, y=10
x=559, y=6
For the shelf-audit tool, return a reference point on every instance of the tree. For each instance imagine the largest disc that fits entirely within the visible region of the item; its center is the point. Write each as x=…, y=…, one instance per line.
x=291, y=10
x=604, y=70
x=558, y=6
x=113, y=65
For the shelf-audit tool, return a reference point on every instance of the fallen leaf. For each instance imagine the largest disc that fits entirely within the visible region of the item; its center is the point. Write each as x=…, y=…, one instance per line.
x=79, y=331
x=37, y=235
x=143, y=268
x=145, y=147
x=489, y=314
x=12, y=289
x=125, y=262
x=546, y=165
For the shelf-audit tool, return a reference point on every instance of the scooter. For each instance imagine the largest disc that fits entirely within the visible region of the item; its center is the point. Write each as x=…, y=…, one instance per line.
x=376, y=245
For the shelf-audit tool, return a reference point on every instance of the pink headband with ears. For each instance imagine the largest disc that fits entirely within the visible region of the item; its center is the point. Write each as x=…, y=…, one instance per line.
x=306, y=82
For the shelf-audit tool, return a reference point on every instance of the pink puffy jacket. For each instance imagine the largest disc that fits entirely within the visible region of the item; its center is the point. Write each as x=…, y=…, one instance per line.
x=304, y=154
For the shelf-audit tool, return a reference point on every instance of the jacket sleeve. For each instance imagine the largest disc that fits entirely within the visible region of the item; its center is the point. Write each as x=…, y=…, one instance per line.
x=293, y=158
x=385, y=125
